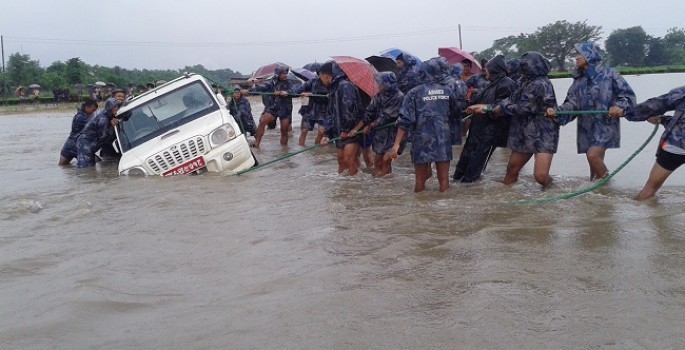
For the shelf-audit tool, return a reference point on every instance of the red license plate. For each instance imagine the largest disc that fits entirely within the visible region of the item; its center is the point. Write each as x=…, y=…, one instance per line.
x=187, y=167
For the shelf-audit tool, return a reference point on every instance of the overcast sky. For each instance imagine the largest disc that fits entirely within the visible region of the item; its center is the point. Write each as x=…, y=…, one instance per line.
x=242, y=35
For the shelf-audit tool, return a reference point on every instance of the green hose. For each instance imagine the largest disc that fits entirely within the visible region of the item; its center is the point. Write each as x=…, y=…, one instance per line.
x=306, y=149
x=597, y=185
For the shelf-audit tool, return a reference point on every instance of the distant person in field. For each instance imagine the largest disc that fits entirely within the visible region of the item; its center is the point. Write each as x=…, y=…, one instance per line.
x=83, y=115
x=596, y=87
x=670, y=154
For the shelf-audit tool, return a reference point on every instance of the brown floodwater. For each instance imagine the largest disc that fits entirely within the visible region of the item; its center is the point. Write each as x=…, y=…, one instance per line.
x=294, y=256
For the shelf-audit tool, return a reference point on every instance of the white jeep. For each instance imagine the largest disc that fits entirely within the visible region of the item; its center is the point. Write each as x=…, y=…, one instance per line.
x=178, y=128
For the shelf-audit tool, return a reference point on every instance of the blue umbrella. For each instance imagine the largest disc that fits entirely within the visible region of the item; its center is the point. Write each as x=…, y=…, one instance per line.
x=394, y=52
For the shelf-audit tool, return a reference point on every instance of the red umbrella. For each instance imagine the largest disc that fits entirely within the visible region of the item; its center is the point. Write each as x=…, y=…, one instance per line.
x=455, y=55
x=359, y=72
x=267, y=71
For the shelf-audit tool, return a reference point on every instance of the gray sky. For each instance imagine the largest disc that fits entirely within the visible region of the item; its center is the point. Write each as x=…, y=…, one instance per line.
x=242, y=35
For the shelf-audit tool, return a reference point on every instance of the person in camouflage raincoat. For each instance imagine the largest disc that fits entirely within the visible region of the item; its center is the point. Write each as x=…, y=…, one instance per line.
x=426, y=112
x=531, y=133
x=514, y=70
x=240, y=109
x=83, y=115
x=459, y=89
x=407, y=79
x=671, y=152
x=315, y=112
x=487, y=131
x=344, y=118
x=95, y=133
x=596, y=87
x=281, y=106
x=383, y=112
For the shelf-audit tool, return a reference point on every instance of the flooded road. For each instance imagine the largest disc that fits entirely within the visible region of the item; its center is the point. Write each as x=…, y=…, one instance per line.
x=294, y=256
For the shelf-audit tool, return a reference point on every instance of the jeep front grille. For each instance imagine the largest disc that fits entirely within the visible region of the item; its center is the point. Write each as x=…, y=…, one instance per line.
x=177, y=154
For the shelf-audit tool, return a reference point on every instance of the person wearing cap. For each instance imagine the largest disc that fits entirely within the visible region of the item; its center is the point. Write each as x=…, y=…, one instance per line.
x=95, y=133
x=280, y=107
x=344, y=117
x=240, y=108
x=119, y=94
x=596, y=87
x=83, y=115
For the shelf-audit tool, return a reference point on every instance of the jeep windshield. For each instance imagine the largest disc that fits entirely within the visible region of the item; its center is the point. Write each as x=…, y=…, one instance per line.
x=164, y=113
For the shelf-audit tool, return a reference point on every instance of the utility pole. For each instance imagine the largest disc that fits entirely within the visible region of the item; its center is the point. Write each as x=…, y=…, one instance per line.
x=460, y=48
x=4, y=72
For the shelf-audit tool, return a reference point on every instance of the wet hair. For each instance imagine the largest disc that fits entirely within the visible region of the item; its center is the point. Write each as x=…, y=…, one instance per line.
x=89, y=102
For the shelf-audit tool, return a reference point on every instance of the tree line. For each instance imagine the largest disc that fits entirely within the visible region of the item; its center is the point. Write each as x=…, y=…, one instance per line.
x=22, y=70
x=630, y=47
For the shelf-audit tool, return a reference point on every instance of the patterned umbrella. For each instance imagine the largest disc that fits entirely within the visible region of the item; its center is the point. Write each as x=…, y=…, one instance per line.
x=359, y=72
x=455, y=55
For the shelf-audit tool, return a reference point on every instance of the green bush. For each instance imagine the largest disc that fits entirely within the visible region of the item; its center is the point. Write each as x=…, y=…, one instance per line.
x=13, y=101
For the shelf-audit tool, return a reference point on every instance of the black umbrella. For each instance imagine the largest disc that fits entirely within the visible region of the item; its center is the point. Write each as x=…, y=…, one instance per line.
x=303, y=74
x=312, y=67
x=383, y=64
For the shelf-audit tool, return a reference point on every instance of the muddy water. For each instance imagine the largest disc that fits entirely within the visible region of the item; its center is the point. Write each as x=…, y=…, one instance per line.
x=296, y=257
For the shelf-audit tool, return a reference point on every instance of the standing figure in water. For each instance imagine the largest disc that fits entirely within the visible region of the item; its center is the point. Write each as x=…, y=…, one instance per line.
x=426, y=112
x=596, y=87
x=383, y=112
x=83, y=115
x=531, y=133
x=671, y=152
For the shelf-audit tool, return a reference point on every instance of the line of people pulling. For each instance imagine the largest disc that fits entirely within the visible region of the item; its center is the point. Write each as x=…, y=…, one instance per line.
x=513, y=105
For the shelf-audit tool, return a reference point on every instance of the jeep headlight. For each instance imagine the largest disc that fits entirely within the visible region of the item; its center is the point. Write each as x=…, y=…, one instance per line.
x=222, y=134
x=135, y=171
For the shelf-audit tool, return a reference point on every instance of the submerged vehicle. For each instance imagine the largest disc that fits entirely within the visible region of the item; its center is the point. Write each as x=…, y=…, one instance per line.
x=180, y=127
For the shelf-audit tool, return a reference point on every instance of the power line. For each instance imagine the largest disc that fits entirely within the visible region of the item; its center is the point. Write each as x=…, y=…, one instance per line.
x=225, y=44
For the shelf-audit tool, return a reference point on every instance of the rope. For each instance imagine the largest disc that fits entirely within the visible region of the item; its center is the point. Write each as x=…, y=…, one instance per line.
x=581, y=112
x=289, y=95
x=599, y=184
x=306, y=149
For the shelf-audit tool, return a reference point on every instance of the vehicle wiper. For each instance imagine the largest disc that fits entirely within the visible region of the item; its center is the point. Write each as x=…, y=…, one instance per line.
x=153, y=116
